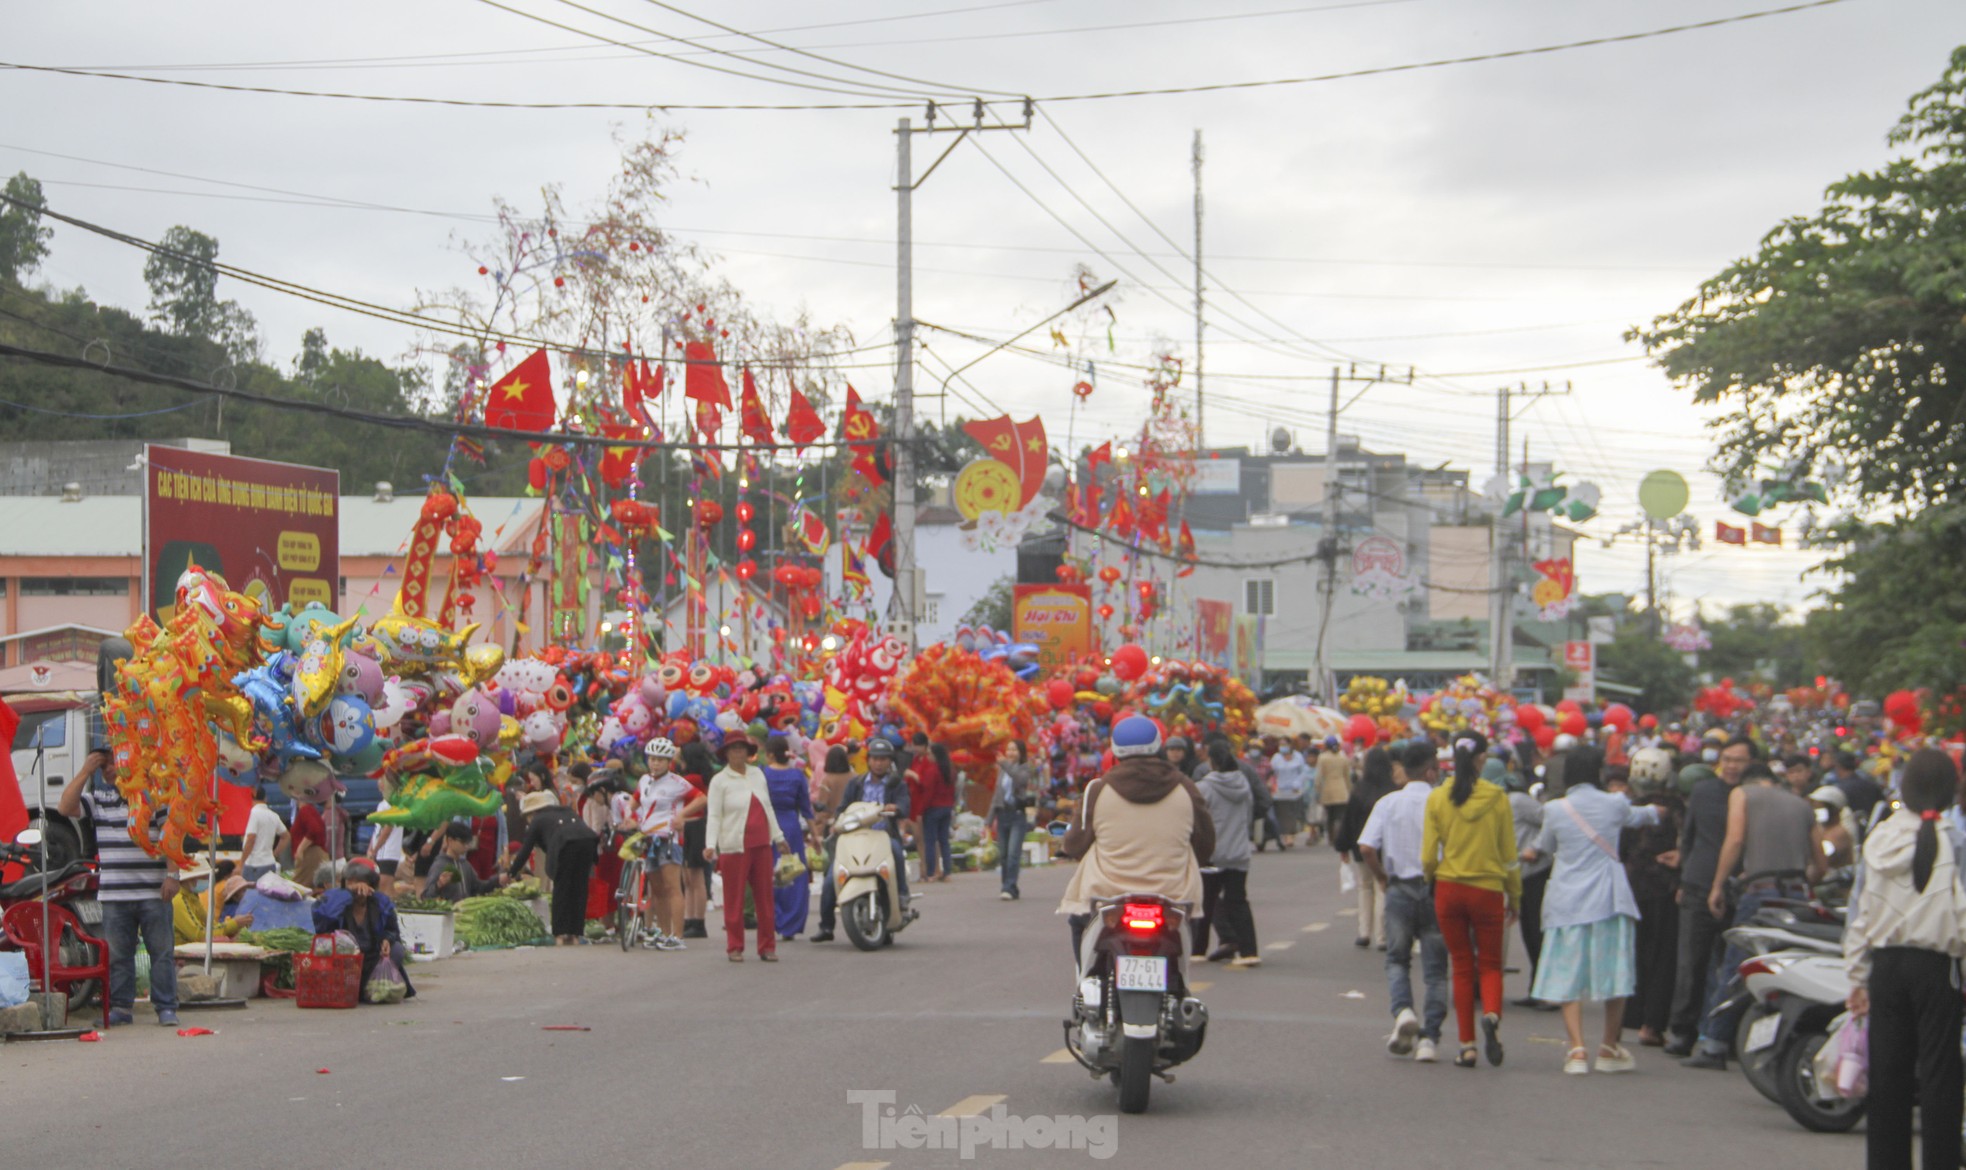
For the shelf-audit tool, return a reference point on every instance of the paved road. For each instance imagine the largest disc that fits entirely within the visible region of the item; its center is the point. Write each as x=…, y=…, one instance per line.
x=695, y=1062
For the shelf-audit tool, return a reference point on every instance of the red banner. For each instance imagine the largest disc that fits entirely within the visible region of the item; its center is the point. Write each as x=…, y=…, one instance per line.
x=1214, y=621
x=271, y=529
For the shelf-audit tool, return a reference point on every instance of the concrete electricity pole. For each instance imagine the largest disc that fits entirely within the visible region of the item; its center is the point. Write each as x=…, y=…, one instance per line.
x=908, y=590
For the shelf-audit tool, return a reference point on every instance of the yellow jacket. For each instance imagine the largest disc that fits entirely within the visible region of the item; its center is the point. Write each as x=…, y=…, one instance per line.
x=1474, y=843
x=188, y=919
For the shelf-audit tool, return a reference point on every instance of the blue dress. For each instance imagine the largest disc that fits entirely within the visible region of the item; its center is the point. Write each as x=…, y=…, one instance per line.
x=791, y=801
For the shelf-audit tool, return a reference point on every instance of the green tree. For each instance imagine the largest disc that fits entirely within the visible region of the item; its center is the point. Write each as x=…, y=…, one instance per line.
x=1843, y=336
x=1758, y=641
x=23, y=241
x=183, y=280
x=1898, y=619
x=1636, y=658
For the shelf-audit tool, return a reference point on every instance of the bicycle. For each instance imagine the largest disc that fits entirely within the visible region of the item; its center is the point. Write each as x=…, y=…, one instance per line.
x=635, y=907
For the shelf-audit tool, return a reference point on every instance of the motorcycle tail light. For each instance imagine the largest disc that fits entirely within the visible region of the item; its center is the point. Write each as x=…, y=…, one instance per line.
x=1142, y=917
x=1755, y=966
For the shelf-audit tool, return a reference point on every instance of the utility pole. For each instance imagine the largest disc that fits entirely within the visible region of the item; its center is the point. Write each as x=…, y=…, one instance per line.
x=1501, y=626
x=907, y=583
x=1328, y=546
x=1196, y=159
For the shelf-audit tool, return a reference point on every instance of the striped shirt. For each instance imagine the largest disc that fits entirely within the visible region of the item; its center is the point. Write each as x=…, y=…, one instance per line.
x=127, y=873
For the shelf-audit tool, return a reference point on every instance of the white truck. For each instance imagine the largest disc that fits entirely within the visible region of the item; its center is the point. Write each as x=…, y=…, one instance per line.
x=48, y=749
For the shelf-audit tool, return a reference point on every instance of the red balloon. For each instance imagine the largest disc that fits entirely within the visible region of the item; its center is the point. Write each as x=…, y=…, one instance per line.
x=1361, y=729
x=1129, y=662
x=1648, y=722
x=1059, y=692
x=1618, y=717
x=1529, y=717
x=1573, y=723
x=1567, y=706
x=1544, y=737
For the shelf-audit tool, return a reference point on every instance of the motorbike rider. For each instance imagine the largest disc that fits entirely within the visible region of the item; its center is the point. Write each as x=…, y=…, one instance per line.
x=880, y=784
x=1142, y=828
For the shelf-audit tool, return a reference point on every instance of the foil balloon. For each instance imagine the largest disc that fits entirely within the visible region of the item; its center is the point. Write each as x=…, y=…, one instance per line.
x=317, y=669
x=414, y=643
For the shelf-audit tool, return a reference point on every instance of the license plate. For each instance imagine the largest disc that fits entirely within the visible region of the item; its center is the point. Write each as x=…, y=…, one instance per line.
x=1141, y=973
x=89, y=912
x=1764, y=1032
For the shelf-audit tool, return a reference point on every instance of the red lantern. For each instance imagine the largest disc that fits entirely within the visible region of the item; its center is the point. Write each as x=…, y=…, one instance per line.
x=747, y=569
x=708, y=513
x=812, y=607
x=1129, y=662
x=745, y=511
x=1109, y=574
x=1082, y=389
x=746, y=539
x=1105, y=612
x=1068, y=574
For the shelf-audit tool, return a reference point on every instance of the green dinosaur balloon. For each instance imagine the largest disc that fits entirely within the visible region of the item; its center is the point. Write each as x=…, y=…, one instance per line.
x=424, y=801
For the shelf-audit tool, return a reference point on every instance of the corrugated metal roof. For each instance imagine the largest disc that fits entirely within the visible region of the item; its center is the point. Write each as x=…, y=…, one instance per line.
x=112, y=526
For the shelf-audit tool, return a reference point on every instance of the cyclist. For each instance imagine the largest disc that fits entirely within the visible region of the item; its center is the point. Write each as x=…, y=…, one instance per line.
x=664, y=800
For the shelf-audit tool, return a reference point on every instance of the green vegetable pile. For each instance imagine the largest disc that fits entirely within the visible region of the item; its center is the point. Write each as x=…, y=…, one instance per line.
x=290, y=939
x=524, y=889
x=409, y=905
x=494, y=921
x=386, y=991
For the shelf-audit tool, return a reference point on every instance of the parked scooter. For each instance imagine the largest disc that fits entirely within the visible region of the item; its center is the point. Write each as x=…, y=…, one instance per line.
x=871, y=908
x=70, y=885
x=1132, y=1017
x=1805, y=993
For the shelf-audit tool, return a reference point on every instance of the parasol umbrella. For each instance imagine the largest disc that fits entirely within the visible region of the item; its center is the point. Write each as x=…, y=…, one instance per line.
x=1296, y=714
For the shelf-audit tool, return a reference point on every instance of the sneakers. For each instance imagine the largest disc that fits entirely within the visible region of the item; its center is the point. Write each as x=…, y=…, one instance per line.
x=1221, y=954
x=669, y=942
x=1491, y=1027
x=166, y=1019
x=1426, y=1052
x=120, y=1016
x=1246, y=961
x=822, y=936
x=1615, y=1059
x=1005, y=896
x=1577, y=1063
x=1406, y=1026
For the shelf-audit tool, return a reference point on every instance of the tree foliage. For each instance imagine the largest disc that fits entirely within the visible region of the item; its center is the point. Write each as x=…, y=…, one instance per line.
x=1839, y=340
x=183, y=280
x=994, y=608
x=1899, y=619
x=1758, y=641
x=23, y=241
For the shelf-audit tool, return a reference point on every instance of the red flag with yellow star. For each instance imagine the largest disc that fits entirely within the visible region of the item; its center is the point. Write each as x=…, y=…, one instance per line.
x=703, y=379
x=523, y=399
x=1018, y=446
x=617, y=463
x=752, y=419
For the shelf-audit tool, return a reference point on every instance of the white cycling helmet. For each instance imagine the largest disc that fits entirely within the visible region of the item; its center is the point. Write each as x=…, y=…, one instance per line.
x=660, y=748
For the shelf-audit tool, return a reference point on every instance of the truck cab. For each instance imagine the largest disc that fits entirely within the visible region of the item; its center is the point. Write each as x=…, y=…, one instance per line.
x=48, y=749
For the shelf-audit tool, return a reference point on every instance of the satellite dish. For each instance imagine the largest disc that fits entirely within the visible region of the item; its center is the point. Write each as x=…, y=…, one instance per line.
x=1279, y=440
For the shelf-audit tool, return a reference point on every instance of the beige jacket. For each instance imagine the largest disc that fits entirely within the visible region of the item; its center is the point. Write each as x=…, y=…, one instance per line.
x=730, y=808
x=1890, y=911
x=1141, y=829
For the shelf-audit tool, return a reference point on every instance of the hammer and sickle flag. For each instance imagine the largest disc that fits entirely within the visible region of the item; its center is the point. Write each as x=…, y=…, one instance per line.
x=1019, y=446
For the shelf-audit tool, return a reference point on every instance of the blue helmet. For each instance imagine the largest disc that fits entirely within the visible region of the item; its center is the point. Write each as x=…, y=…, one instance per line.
x=1135, y=735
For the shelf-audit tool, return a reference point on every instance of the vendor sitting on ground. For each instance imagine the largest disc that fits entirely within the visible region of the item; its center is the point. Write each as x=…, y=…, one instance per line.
x=451, y=876
x=188, y=909
x=368, y=915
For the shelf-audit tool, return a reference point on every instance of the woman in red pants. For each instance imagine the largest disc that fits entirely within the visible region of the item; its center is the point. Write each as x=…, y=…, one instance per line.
x=1468, y=851
x=739, y=837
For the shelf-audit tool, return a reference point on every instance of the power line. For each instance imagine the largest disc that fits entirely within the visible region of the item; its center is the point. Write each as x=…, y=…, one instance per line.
x=1161, y=91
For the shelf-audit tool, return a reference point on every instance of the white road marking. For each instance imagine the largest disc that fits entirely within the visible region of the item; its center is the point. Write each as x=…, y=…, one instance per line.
x=1314, y=927
x=1279, y=946
x=1062, y=1056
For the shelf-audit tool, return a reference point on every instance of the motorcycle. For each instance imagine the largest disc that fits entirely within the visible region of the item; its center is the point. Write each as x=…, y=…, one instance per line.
x=1132, y=1017
x=1805, y=993
x=871, y=908
x=70, y=886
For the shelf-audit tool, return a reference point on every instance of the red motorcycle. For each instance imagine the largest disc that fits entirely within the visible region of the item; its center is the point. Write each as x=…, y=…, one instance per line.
x=81, y=963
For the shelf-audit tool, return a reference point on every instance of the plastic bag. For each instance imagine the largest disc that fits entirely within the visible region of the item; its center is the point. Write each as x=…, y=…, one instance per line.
x=13, y=978
x=1347, y=879
x=1842, y=1064
x=344, y=943
x=788, y=870
x=386, y=983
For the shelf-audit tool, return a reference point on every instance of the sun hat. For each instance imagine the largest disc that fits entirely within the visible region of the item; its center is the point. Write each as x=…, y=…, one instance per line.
x=1831, y=794
x=532, y=802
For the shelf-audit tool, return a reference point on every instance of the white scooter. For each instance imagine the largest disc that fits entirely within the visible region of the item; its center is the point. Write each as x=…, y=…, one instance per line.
x=865, y=885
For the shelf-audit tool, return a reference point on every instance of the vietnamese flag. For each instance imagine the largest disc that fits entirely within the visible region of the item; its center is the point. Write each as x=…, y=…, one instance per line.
x=1186, y=548
x=803, y=424
x=880, y=544
x=751, y=416
x=1766, y=535
x=13, y=809
x=523, y=399
x=703, y=379
x=1121, y=519
x=618, y=463
x=1018, y=446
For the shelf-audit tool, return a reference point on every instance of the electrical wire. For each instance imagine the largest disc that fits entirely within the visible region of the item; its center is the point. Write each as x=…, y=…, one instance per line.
x=1107, y=95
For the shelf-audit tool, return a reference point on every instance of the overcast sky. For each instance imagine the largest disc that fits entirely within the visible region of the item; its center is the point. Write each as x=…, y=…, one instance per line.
x=1470, y=221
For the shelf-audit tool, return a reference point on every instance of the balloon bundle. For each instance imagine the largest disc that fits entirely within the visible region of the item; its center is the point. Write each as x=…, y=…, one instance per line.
x=1722, y=701
x=995, y=646
x=1902, y=708
x=857, y=679
x=177, y=680
x=973, y=707
x=1467, y=702
x=1387, y=705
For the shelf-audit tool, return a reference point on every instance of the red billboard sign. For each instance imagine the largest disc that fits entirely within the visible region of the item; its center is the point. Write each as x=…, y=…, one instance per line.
x=271, y=529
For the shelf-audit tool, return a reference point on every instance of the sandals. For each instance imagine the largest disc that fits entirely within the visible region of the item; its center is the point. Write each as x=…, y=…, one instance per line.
x=768, y=957
x=1615, y=1058
x=1467, y=1059
x=1578, y=1062
x=1491, y=1025
x=737, y=956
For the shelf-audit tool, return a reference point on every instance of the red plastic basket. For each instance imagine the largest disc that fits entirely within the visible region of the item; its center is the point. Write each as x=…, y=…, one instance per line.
x=323, y=979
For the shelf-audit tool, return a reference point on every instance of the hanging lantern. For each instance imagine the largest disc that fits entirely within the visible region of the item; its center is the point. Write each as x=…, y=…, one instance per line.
x=1105, y=612
x=746, y=539
x=709, y=513
x=745, y=511
x=1109, y=574
x=747, y=568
